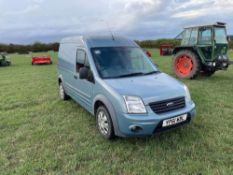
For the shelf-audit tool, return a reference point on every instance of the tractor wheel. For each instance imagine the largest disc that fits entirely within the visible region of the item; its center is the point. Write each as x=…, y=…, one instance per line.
x=186, y=64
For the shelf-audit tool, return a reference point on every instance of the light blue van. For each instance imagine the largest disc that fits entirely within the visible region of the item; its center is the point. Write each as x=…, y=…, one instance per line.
x=113, y=79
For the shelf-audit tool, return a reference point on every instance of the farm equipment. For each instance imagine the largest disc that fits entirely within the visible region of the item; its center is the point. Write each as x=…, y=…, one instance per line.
x=166, y=49
x=3, y=60
x=203, y=49
x=148, y=53
x=41, y=60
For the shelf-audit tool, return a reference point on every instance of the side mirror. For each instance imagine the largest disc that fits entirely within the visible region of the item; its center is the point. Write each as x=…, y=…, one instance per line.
x=148, y=54
x=83, y=73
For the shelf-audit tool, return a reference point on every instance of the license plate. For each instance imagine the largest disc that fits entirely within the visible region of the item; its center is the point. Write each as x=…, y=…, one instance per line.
x=175, y=120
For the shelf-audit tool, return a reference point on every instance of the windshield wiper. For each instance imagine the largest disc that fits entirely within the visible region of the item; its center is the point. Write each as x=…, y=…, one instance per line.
x=130, y=75
x=134, y=74
x=152, y=72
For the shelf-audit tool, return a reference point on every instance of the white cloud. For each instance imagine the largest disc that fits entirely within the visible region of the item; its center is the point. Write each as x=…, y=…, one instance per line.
x=141, y=6
x=189, y=14
x=29, y=9
x=30, y=20
x=199, y=8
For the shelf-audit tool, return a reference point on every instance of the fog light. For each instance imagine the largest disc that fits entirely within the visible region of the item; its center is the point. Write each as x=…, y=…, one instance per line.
x=135, y=128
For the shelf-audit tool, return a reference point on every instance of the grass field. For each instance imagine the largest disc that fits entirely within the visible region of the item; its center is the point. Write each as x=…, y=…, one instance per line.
x=39, y=134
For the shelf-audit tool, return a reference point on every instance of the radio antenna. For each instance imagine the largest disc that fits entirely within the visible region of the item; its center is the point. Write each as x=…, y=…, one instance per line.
x=109, y=29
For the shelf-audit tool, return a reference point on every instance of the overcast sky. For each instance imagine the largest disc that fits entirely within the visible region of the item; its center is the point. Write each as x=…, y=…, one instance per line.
x=27, y=21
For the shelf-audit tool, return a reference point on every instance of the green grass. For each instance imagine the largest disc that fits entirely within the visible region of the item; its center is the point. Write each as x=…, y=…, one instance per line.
x=39, y=134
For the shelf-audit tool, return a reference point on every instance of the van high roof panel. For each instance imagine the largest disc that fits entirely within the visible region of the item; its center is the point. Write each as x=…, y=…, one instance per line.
x=100, y=41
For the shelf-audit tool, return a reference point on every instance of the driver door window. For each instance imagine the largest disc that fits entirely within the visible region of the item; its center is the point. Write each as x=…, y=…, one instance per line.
x=205, y=36
x=81, y=59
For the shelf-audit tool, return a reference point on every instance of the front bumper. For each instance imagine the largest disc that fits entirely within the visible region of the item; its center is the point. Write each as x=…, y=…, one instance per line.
x=151, y=123
x=42, y=62
x=220, y=63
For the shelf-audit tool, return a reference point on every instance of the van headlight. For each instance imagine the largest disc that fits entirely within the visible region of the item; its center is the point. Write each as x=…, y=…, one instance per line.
x=187, y=93
x=134, y=105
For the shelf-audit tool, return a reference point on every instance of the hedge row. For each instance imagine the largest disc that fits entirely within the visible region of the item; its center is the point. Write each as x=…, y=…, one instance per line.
x=156, y=43
x=42, y=47
x=36, y=47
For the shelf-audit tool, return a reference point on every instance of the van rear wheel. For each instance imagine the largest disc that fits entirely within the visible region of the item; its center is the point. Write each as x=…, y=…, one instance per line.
x=104, y=123
x=62, y=92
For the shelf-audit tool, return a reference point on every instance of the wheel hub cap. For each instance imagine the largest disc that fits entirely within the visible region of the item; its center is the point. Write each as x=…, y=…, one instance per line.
x=103, y=123
x=184, y=65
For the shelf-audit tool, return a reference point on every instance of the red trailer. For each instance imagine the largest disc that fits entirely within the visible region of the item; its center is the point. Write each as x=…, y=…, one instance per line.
x=166, y=49
x=41, y=60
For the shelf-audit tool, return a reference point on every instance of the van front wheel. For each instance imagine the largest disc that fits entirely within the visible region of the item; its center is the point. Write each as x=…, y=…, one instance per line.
x=104, y=123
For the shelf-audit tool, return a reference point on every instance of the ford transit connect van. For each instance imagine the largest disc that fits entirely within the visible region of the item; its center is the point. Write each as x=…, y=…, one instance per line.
x=113, y=79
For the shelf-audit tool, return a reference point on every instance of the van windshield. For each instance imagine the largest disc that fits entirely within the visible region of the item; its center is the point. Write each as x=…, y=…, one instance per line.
x=117, y=62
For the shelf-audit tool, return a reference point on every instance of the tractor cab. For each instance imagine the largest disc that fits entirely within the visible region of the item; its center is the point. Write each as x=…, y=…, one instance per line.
x=204, y=48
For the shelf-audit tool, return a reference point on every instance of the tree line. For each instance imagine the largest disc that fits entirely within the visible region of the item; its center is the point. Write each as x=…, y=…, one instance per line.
x=157, y=43
x=36, y=47
x=43, y=47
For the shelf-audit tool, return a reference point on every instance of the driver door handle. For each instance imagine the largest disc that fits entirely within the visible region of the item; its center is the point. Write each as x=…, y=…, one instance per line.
x=75, y=77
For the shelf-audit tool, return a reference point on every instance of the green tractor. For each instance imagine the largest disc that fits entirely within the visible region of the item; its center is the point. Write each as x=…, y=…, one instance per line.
x=3, y=60
x=203, y=49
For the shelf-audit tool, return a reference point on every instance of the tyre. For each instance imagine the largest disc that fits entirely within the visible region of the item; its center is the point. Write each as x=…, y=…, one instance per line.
x=62, y=92
x=104, y=123
x=186, y=64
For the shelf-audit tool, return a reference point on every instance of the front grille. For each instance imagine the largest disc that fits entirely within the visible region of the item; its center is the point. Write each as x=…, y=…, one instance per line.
x=168, y=105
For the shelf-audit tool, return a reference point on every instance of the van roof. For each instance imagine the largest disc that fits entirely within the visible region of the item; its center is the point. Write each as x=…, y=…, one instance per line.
x=100, y=41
